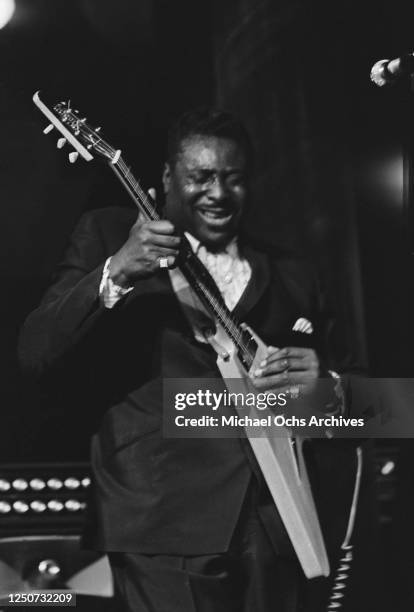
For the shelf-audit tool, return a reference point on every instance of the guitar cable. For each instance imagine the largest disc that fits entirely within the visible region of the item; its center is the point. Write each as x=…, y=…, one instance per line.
x=345, y=562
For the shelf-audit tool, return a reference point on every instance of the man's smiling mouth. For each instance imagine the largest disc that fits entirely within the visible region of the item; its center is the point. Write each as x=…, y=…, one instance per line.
x=215, y=215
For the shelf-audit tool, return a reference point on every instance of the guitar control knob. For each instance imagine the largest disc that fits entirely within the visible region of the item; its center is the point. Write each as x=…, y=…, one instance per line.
x=73, y=156
x=61, y=143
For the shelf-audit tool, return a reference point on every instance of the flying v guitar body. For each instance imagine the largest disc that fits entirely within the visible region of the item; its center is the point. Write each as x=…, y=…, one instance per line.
x=280, y=460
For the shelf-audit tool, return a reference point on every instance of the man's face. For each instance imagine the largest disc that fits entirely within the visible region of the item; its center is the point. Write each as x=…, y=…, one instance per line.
x=206, y=189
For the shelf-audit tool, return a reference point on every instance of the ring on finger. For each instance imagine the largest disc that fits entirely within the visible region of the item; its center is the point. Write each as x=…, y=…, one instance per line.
x=163, y=262
x=285, y=364
x=293, y=391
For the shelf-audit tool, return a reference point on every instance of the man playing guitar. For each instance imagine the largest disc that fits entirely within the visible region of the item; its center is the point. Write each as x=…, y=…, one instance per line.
x=189, y=524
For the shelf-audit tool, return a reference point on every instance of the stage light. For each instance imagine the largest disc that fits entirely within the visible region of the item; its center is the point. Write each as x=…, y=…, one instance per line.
x=7, y=8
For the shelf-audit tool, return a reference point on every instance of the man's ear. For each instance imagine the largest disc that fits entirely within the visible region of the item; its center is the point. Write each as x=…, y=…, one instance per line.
x=166, y=177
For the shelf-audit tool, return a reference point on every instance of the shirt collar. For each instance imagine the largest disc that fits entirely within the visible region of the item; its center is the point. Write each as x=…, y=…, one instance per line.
x=231, y=248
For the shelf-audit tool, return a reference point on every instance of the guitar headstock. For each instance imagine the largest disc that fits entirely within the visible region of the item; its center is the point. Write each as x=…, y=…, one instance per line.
x=75, y=131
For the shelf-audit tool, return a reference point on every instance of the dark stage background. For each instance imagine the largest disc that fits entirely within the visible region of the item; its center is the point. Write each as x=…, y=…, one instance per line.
x=332, y=178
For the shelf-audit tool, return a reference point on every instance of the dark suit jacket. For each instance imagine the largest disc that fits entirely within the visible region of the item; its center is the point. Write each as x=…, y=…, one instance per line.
x=157, y=495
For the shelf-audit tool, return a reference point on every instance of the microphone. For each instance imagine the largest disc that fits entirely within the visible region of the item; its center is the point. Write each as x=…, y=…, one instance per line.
x=386, y=72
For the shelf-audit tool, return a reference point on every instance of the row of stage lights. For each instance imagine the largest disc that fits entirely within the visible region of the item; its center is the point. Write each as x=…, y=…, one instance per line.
x=38, y=484
x=38, y=506
x=45, y=488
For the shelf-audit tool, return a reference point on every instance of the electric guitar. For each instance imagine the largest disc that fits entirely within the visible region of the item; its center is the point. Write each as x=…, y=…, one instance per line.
x=239, y=351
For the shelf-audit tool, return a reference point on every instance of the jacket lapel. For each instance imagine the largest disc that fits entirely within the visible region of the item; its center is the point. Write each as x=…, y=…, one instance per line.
x=259, y=281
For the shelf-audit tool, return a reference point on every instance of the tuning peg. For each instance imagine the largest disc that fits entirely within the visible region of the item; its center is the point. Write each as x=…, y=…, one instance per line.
x=98, y=129
x=48, y=129
x=83, y=120
x=73, y=156
x=61, y=143
x=89, y=147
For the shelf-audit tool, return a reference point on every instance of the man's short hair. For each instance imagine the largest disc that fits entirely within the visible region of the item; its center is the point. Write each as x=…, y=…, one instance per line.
x=207, y=122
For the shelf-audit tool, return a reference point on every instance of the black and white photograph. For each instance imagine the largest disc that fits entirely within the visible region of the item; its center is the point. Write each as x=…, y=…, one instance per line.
x=207, y=273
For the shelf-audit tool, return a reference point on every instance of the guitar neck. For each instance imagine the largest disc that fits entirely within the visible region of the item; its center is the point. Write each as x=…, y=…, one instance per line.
x=141, y=199
x=189, y=264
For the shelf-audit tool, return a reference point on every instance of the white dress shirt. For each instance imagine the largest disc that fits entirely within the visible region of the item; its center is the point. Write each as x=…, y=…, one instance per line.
x=230, y=271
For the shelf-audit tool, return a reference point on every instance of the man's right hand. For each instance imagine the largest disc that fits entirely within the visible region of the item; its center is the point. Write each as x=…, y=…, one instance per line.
x=139, y=257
